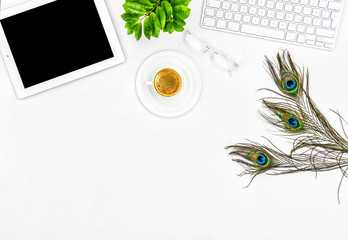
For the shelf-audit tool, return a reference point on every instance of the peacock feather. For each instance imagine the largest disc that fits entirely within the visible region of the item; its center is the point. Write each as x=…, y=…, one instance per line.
x=317, y=146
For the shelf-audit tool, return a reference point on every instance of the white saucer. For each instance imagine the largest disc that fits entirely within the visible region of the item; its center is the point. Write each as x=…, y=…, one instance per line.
x=178, y=104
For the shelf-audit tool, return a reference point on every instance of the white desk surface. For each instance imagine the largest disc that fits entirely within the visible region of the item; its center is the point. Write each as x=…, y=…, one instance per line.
x=87, y=161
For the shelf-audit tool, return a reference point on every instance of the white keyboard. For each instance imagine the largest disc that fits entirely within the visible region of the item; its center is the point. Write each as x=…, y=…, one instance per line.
x=311, y=23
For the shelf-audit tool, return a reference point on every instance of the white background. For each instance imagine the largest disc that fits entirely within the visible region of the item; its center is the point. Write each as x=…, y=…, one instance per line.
x=87, y=161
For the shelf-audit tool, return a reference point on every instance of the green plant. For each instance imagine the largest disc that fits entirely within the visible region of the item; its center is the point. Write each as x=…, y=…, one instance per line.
x=166, y=15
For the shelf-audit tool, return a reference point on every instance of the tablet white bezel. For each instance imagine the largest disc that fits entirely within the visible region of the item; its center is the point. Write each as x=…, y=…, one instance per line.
x=13, y=70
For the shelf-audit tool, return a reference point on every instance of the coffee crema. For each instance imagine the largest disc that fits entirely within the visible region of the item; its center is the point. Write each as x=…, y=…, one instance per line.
x=167, y=82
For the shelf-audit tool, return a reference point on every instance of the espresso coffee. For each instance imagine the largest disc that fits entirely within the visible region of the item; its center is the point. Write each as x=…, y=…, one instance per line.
x=167, y=82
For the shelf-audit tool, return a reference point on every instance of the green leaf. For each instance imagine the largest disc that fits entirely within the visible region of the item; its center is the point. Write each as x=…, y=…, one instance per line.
x=131, y=21
x=161, y=16
x=138, y=31
x=130, y=31
x=127, y=16
x=180, y=2
x=156, y=25
x=179, y=21
x=170, y=27
x=181, y=11
x=148, y=28
x=146, y=3
x=134, y=8
x=178, y=28
x=154, y=1
x=168, y=9
x=130, y=25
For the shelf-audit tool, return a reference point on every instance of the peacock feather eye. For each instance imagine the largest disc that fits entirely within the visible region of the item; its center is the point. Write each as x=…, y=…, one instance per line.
x=292, y=122
x=260, y=158
x=290, y=83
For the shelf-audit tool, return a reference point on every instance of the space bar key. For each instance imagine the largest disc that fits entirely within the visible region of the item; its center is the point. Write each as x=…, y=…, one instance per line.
x=264, y=32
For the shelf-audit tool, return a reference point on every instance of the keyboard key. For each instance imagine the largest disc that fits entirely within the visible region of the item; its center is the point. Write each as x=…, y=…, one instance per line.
x=311, y=37
x=310, y=42
x=264, y=32
x=279, y=6
x=273, y=24
x=298, y=18
x=328, y=45
x=209, y=12
x=219, y=14
x=225, y=5
x=237, y=17
x=304, y=2
x=323, y=3
x=283, y=25
x=252, y=10
x=292, y=27
x=316, y=12
x=213, y=3
x=261, y=12
x=288, y=7
x=298, y=9
x=307, y=20
x=234, y=7
x=334, y=5
x=233, y=26
x=255, y=20
x=270, y=13
x=264, y=22
x=325, y=14
x=261, y=3
x=313, y=3
x=210, y=22
x=329, y=40
x=270, y=4
x=252, y=2
x=289, y=17
x=326, y=23
x=319, y=44
x=246, y=19
x=228, y=15
x=307, y=11
x=221, y=24
x=324, y=32
x=320, y=39
x=290, y=36
x=301, y=38
x=334, y=23
x=301, y=28
x=243, y=9
x=280, y=15
x=316, y=21
x=310, y=30
x=334, y=15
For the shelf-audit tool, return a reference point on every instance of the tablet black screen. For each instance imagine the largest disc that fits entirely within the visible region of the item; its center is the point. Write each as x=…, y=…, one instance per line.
x=55, y=39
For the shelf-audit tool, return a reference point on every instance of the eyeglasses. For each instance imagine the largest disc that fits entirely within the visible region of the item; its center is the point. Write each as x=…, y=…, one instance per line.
x=221, y=59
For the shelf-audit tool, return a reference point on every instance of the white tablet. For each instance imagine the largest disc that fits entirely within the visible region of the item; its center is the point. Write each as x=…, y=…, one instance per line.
x=47, y=43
